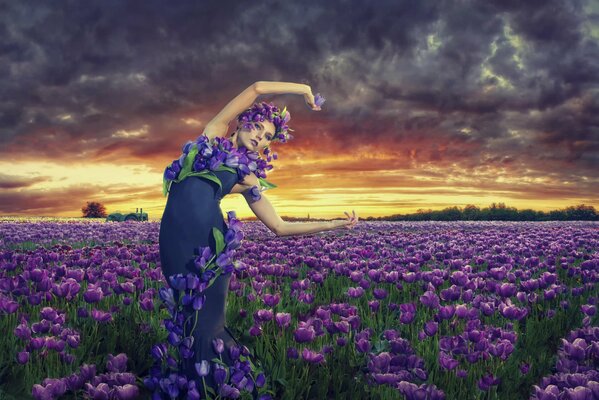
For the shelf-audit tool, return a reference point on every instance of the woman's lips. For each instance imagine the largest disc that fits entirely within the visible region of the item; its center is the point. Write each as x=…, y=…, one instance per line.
x=254, y=142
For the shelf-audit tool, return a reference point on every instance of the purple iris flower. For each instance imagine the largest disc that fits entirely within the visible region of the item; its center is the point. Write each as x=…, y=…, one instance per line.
x=318, y=100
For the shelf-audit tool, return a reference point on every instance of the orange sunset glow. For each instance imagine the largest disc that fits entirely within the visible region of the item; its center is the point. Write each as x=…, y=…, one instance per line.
x=446, y=108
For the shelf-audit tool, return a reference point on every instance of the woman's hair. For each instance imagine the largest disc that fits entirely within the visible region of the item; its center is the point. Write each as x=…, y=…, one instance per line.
x=259, y=112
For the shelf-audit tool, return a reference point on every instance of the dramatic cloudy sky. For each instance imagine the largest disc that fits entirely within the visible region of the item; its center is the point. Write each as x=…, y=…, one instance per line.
x=429, y=104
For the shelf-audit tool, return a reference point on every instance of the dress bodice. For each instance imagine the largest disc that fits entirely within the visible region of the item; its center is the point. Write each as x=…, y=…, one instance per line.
x=228, y=180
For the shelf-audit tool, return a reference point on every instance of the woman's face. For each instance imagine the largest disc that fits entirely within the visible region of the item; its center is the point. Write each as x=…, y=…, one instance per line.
x=258, y=138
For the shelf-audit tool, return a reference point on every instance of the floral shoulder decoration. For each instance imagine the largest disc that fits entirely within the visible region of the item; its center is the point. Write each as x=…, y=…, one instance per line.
x=204, y=156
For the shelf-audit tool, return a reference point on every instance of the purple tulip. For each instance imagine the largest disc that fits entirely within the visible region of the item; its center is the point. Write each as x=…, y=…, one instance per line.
x=430, y=328
x=312, y=357
x=263, y=315
x=283, y=319
x=430, y=299
x=255, y=330
x=117, y=363
x=303, y=335
x=202, y=368
x=101, y=316
x=23, y=357
x=446, y=312
x=219, y=345
x=363, y=345
x=355, y=292
x=292, y=352
x=487, y=381
x=588, y=309
x=271, y=300
x=447, y=362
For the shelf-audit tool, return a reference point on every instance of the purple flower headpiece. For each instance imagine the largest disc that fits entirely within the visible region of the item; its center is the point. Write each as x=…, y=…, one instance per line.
x=259, y=112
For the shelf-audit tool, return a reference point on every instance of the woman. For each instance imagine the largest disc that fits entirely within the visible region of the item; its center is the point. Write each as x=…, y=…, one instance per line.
x=196, y=246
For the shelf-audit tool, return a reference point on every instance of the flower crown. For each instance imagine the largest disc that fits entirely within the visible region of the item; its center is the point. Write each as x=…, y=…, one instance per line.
x=259, y=112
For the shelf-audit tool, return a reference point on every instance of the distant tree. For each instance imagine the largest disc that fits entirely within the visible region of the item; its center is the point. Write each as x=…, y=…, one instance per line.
x=580, y=213
x=471, y=212
x=93, y=209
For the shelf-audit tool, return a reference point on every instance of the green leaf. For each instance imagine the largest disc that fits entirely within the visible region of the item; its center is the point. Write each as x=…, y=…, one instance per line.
x=225, y=168
x=266, y=184
x=165, y=186
x=188, y=162
x=219, y=239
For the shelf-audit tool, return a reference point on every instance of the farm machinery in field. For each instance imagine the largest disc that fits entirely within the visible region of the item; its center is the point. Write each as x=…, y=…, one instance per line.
x=130, y=216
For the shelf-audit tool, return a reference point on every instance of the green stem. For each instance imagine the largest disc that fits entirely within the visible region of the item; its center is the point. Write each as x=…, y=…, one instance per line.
x=205, y=391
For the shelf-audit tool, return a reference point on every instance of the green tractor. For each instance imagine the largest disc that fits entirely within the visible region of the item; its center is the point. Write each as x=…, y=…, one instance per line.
x=131, y=216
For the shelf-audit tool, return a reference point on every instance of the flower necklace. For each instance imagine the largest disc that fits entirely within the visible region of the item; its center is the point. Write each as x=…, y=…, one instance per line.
x=204, y=156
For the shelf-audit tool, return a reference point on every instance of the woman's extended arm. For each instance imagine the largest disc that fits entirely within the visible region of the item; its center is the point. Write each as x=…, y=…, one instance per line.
x=267, y=214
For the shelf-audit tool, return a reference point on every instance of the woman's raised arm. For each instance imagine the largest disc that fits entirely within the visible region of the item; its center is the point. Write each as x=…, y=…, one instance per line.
x=220, y=123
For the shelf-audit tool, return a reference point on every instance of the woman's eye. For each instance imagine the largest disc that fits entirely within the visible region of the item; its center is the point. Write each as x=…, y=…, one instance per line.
x=257, y=126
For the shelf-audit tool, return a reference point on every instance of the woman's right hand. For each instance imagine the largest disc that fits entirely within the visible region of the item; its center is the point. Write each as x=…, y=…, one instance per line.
x=309, y=98
x=352, y=220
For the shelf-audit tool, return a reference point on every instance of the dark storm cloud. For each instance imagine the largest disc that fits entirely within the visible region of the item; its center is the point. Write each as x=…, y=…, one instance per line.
x=423, y=80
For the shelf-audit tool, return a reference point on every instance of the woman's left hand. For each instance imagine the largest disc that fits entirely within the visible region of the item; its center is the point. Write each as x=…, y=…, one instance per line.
x=352, y=220
x=309, y=98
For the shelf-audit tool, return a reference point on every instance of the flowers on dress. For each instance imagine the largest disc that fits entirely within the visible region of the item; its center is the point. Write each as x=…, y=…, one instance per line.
x=166, y=376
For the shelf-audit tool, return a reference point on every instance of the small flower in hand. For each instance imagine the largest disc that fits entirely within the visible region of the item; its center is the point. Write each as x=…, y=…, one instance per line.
x=353, y=219
x=319, y=100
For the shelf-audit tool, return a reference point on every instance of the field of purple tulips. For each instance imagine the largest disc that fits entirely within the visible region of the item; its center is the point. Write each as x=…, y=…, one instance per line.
x=415, y=310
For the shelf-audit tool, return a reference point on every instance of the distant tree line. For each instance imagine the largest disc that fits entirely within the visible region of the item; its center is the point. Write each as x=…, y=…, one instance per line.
x=495, y=212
